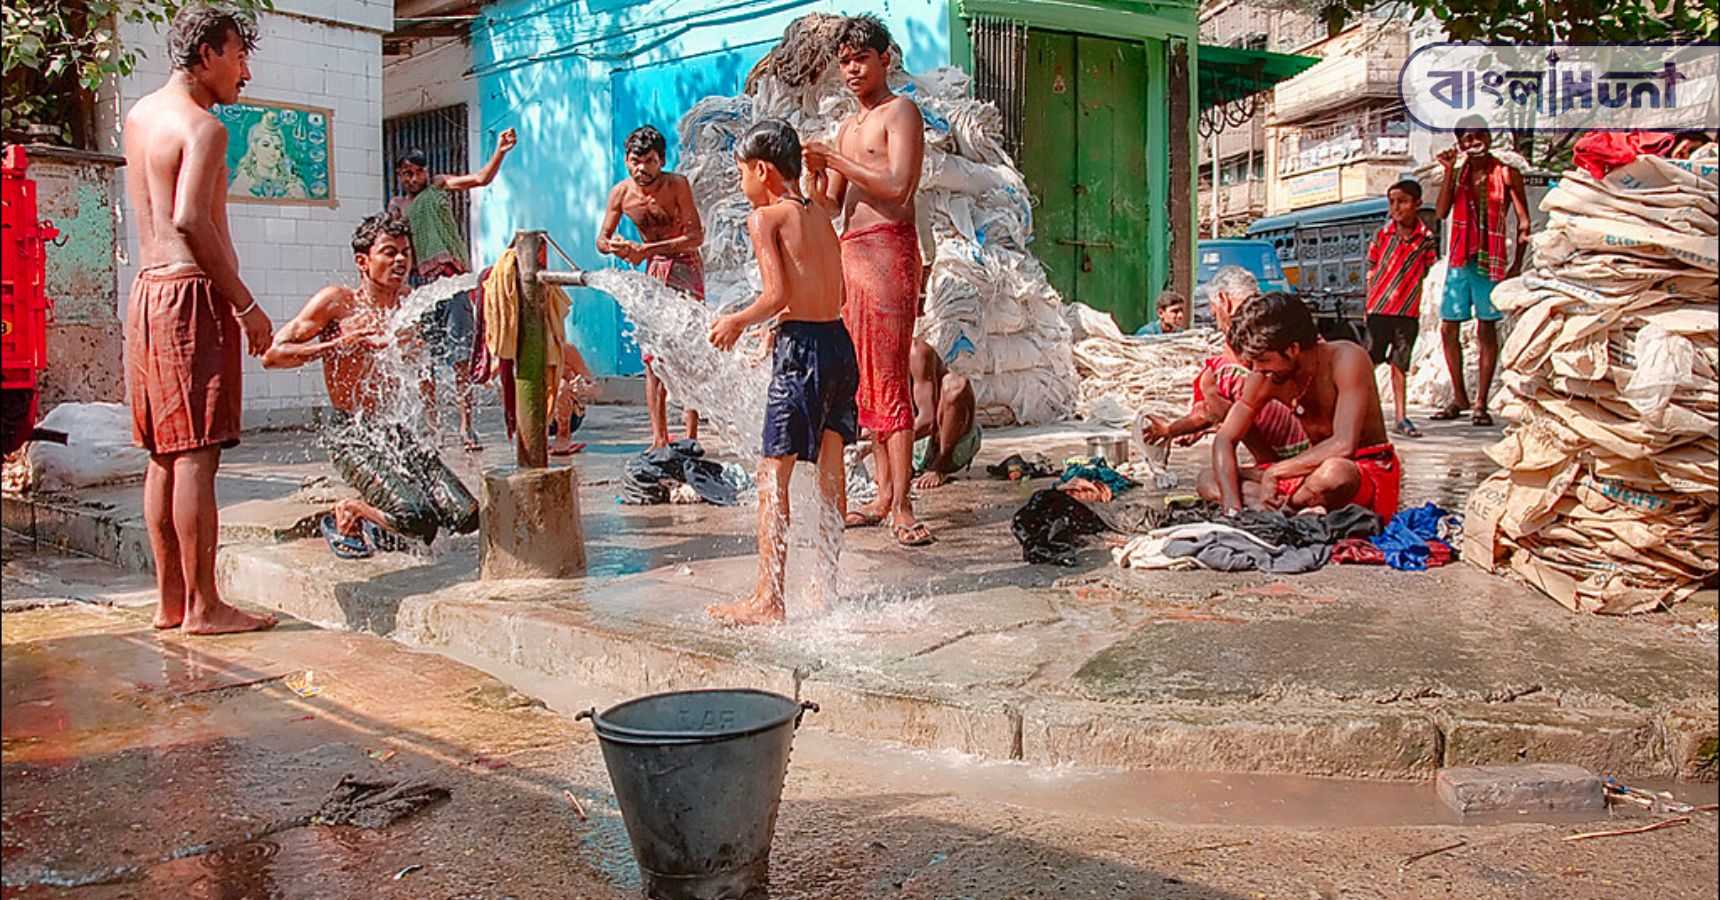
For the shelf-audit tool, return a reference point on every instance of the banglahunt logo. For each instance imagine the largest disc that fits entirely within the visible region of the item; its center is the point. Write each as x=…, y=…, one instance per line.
x=1564, y=87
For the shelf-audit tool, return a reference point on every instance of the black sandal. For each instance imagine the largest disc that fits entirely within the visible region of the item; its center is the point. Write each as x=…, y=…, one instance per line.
x=1481, y=418
x=1448, y=414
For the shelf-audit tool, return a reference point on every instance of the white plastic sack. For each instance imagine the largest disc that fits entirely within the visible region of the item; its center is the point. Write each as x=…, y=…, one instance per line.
x=98, y=449
x=1664, y=363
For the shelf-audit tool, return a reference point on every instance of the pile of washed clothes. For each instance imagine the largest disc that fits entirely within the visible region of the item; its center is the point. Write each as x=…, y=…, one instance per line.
x=1092, y=497
x=679, y=473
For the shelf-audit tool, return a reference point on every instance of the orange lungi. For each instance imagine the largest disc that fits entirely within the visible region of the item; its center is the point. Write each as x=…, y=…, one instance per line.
x=881, y=275
x=183, y=361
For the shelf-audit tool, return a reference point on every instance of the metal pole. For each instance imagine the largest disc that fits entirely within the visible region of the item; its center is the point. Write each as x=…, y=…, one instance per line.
x=1217, y=195
x=531, y=394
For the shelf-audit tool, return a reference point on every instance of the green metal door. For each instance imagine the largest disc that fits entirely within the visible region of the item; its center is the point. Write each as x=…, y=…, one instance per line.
x=1048, y=157
x=1084, y=157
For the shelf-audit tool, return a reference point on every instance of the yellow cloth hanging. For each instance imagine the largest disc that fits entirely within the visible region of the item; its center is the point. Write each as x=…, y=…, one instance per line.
x=502, y=322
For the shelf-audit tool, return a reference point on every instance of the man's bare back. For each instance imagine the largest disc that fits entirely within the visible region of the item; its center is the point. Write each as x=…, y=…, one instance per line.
x=176, y=182
x=810, y=254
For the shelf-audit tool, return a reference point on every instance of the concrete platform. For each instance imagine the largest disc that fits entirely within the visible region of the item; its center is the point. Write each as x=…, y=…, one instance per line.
x=1348, y=671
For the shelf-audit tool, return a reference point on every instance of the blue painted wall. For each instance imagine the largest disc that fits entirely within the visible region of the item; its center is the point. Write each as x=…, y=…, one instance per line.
x=575, y=76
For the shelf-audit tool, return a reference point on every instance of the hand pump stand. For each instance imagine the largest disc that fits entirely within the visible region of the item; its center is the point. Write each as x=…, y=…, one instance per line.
x=529, y=521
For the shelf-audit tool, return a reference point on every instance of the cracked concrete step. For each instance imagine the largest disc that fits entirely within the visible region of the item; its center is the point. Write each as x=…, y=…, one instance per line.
x=977, y=693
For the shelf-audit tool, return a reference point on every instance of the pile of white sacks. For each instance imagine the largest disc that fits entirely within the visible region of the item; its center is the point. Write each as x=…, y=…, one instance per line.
x=1611, y=473
x=990, y=312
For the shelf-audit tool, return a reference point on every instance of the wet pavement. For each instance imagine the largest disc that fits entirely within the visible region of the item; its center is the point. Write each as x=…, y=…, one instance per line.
x=138, y=764
x=1348, y=671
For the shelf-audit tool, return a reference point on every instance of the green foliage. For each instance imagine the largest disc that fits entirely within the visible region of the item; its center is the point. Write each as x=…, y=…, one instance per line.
x=53, y=50
x=1565, y=21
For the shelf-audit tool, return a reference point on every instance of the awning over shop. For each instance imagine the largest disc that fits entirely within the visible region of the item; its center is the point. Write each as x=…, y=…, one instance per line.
x=1231, y=73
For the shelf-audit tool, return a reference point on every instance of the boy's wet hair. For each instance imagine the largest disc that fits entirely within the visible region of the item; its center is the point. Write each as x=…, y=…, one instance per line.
x=863, y=32
x=1272, y=324
x=647, y=139
x=1172, y=298
x=365, y=235
x=773, y=141
x=1409, y=186
x=201, y=25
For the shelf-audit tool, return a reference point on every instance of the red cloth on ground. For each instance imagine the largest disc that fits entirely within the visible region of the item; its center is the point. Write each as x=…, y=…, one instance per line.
x=1382, y=480
x=183, y=364
x=1359, y=552
x=1438, y=554
x=1478, y=223
x=1600, y=152
x=881, y=275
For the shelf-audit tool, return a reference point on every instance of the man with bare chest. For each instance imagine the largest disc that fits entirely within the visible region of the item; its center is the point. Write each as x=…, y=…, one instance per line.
x=404, y=485
x=660, y=204
x=188, y=312
x=870, y=177
x=1330, y=387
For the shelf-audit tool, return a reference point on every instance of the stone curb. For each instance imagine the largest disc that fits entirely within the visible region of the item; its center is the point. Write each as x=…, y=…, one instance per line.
x=614, y=655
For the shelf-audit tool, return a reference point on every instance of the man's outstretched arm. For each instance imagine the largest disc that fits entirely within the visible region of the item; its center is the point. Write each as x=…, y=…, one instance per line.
x=484, y=175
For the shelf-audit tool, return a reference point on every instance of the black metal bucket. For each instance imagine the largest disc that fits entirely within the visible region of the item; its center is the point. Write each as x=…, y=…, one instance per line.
x=698, y=776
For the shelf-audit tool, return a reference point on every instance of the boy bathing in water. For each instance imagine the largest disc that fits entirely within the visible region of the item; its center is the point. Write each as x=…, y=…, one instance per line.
x=871, y=175
x=811, y=413
x=406, y=487
x=1330, y=387
x=660, y=204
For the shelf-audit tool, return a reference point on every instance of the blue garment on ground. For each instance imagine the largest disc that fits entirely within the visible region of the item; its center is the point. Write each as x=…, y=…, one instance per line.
x=1098, y=471
x=1404, y=540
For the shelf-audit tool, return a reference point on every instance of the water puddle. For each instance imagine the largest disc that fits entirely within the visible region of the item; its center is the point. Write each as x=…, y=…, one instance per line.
x=1183, y=798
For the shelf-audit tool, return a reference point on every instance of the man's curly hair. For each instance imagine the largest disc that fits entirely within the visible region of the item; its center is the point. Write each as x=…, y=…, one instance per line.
x=200, y=25
x=364, y=236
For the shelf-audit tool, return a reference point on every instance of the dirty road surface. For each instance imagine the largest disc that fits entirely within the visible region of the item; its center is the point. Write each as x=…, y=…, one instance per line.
x=140, y=764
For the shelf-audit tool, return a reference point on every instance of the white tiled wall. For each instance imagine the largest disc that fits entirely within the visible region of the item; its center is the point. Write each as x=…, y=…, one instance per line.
x=316, y=52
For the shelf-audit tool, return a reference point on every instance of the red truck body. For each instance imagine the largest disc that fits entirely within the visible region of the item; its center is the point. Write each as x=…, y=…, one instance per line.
x=25, y=309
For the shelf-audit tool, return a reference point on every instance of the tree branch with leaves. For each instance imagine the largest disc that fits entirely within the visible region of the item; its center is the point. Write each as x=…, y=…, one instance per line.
x=57, y=53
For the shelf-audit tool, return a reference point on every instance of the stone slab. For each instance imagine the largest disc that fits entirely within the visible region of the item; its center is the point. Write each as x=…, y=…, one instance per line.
x=1541, y=787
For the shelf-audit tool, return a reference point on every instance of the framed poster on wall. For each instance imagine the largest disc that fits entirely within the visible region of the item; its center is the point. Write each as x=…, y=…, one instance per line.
x=279, y=153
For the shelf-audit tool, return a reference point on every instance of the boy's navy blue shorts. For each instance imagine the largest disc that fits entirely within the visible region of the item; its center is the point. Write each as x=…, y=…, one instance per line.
x=813, y=380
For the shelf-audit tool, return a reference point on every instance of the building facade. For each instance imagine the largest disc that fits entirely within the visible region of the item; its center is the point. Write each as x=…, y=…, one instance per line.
x=1338, y=132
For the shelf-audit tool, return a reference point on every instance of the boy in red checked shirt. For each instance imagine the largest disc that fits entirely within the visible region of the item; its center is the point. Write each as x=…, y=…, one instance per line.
x=1398, y=260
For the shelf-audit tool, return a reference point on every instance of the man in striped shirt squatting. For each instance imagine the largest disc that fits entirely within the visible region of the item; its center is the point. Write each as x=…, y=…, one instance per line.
x=1398, y=260
x=1475, y=192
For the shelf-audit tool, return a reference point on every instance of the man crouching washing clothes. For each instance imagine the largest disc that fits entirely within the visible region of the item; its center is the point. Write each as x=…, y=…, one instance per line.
x=405, y=486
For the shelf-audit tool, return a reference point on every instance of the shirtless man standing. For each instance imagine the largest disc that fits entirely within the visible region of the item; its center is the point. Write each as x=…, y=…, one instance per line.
x=870, y=175
x=1330, y=387
x=660, y=204
x=406, y=487
x=187, y=310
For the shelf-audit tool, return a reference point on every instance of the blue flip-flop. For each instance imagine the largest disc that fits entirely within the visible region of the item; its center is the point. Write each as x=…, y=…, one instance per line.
x=343, y=546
